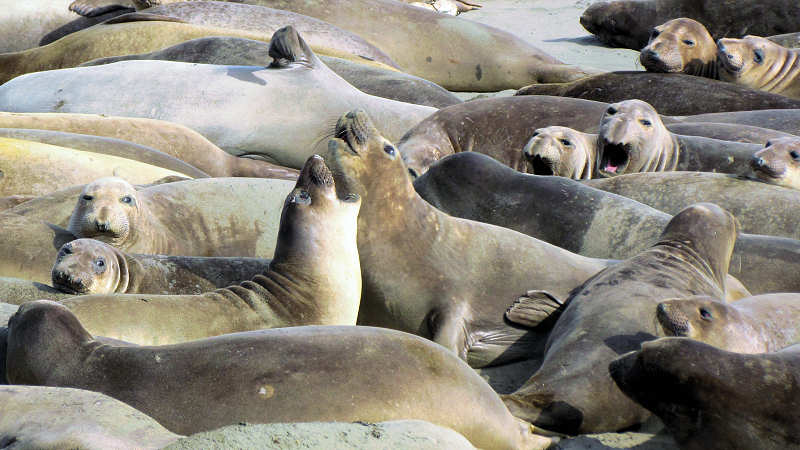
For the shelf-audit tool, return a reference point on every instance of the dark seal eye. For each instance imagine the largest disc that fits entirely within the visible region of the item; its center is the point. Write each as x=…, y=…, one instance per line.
x=795, y=155
x=100, y=262
x=758, y=56
x=645, y=122
x=304, y=195
x=654, y=33
x=768, y=144
x=706, y=314
x=565, y=142
x=389, y=150
x=611, y=110
x=689, y=42
x=127, y=199
x=88, y=198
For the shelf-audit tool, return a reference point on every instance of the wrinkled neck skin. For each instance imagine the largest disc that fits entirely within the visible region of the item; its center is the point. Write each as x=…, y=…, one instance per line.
x=665, y=154
x=705, y=69
x=782, y=73
x=714, y=276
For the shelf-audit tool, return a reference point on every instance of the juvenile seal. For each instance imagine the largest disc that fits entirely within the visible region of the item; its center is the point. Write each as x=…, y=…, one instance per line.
x=345, y=380
x=314, y=278
x=16, y=291
x=703, y=95
x=681, y=45
x=761, y=64
x=87, y=266
x=779, y=162
x=236, y=217
x=561, y=151
x=713, y=399
x=758, y=324
x=611, y=314
x=430, y=296
x=245, y=121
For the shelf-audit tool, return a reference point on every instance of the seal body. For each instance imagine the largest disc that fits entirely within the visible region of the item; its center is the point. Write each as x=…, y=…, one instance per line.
x=778, y=162
x=611, y=314
x=785, y=120
x=761, y=64
x=703, y=405
x=728, y=132
x=681, y=46
x=24, y=23
x=345, y=381
x=16, y=291
x=28, y=247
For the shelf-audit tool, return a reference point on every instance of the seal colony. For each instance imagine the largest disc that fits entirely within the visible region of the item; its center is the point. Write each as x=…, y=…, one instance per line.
x=452, y=272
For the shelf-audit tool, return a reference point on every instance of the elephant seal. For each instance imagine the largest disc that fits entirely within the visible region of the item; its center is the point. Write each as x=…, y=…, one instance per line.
x=175, y=140
x=761, y=208
x=759, y=63
x=227, y=50
x=244, y=98
x=714, y=399
x=561, y=151
x=344, y=381
x=222, y=217
x=54, y=417
x=759, y=324
x=779, y=162
x=788, y=40
x=611, y=314
x=632, y=138
x=431, y=297
x=23, y=24
x=314, y=278
x=12, y=201
x=785, y=120
x=594, y=223
x=87, y=266
x=28, y=247
x=728, y=132
x=658, y=89
x=627, y=23
x=681, y=45
x=16, y=291
x=81, y=23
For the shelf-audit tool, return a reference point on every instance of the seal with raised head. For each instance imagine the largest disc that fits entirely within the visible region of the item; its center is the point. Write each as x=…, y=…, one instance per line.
x=681, y=45
x=611, y=314
x=597, y=223
x=87, y=266
x=314, y=278
x=336, y=374
x=430, y=296
x=759, y=63
x=779, y=162
x=710, y=398
x=758, y=324
x=245, y=119
x=561, y=151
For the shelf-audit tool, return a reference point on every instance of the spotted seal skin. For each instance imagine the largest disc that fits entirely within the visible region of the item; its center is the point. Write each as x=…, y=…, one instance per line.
x=709, y=398
x=779, y=162
x=241, y=377
x=759, y=63
x=611, y=314
x=758, y=324
x=561, y=151
x=681, y=45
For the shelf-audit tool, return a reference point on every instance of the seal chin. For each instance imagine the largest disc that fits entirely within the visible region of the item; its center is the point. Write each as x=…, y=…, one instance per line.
x=615, y=158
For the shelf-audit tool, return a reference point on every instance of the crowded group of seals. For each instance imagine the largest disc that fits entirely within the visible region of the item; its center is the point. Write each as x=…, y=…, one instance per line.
x=218, y=216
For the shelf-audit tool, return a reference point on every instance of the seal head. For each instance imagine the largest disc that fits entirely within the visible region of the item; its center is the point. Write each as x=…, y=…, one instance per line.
x=681, y=46
x=87, y=266
x=757, y=63
x=560, y=151
x=108, y=210
x=778, y=162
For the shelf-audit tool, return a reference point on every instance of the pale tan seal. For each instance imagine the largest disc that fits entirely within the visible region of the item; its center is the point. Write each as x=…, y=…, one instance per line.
x=779, y=162
x=16, y=291
x=296, y=374
x=681, y=45
x=561, y=151
x=759, y=63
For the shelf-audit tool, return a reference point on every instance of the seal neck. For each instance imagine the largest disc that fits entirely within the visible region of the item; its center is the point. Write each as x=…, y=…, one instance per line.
x=782, y=73
x=708, y=269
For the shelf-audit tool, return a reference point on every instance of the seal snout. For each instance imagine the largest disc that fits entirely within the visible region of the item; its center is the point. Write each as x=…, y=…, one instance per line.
x=65, y=282
x=315, y=172
x=673, y=320
x=354, y=128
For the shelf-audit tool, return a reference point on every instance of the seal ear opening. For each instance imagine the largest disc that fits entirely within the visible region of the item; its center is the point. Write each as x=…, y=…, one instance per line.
x=287, y=47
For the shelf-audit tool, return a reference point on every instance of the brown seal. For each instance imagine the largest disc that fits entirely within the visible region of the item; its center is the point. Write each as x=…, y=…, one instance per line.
x=779, y=162
x=758, y=324
x=430, y=296
x=761, y=64
x=314, y=278
x=87, y=266
x=681, y=45
x=710, y=398
x=611, y=314
x=296, y=374
x=561, y=151
x=728, y=132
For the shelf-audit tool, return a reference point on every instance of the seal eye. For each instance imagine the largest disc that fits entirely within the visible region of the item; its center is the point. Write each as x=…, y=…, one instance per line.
x=100, y=263
x=645, y=122
x=127, y=199
x=706, y=314
x=88, y=198
x=654, y=33
x=389, y=150
x=758, y=56
x=611, y=110
x=768, y=144
x=535, y=133
x=689, y=42
x=795, y=155
x=565, y=142
x=304, y=195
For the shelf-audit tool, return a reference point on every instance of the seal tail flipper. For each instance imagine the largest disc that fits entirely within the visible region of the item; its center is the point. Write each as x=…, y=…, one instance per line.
x=142, y=17
x=287, y=46
x=533, y=308
x=92, y=8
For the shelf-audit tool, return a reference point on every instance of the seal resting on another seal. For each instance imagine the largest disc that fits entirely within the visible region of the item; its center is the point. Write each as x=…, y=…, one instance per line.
x=314, y=278
x=296, y=374
x=561, y=151
x=681, y=45
x=758, y=324
x=611, y=314
x=760, y=64
x=779, y=162
x=87, y=266
x=710, y=398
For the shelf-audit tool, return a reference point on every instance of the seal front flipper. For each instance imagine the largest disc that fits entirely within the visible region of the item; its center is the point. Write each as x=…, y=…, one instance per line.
x=142, y=17
x=92, y=8
x=61, y=235
x=533, y=308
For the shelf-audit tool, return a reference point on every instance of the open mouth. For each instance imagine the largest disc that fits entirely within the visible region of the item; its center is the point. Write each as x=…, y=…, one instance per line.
x=541, y=166
x=615, y=158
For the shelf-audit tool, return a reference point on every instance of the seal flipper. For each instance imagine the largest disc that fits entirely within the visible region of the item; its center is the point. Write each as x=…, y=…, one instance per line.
x=92, y=8
x=61, y=235
x=533, y=308
x=287, y=47
x=142, y=17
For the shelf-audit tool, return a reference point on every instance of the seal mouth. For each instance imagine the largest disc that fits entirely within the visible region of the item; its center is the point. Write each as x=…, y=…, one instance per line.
x=673, y=326
x=353, y=128
x=763, y=168
x=67, y=284
x=615, y=157
x=653, y=63
x=315, y=172
x=541, y=165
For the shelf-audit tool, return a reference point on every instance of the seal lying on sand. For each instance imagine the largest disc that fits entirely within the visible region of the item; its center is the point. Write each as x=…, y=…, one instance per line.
x=681, y=46
x=314, y=278
x=713, y=399
x=87, y=266
x=245, y=120
x=779, y=162
x=337, y=374
x=611, y=314
x=430, y=296
x=16, y=291
x=761, y=64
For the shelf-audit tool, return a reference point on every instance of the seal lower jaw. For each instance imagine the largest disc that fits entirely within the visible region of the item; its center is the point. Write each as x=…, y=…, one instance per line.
x=541, y=166
x=615, y=158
